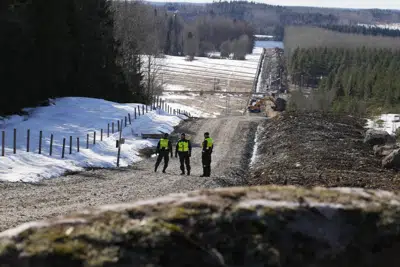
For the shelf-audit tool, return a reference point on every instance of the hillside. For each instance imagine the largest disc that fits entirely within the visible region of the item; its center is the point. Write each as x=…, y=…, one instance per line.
x=270, y=19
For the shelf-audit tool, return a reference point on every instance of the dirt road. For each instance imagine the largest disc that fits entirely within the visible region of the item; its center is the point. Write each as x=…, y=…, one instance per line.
x=233, y=137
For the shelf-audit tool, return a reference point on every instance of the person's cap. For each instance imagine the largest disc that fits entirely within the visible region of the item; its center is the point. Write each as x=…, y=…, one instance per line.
x=166, y=135
x=183, y=134
x=206, y=133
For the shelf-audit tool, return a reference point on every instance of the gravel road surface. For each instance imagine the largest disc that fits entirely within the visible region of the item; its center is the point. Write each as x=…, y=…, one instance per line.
x=233, y=137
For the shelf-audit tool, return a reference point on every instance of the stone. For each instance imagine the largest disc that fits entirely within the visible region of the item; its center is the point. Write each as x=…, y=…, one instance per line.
x=392, y=161
x=251, y=226
x=378, y=137
x=383, y=151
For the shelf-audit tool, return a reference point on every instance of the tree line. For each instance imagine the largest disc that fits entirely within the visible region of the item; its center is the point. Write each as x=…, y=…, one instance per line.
x=315, y=37
x=173, y=35
x=364, y=30
x=356, y=80
x=61, y=48
x=271, y=20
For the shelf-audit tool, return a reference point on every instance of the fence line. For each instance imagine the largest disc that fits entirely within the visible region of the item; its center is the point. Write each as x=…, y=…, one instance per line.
x=157, y=103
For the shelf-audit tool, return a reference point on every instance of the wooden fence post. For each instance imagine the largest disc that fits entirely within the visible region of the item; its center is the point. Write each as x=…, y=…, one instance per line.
x=77, y=144
x=63, y=149
x=139, y=111
x=122, y=123
x=108, y=130
x=126, y=121
x=28, y=137
x=112, y=127
x=70, y=144
x=118, y=128
x=87, y=141
x=3, y=137
x=129, y=118
x=51, y=144
x=147, y=111
x=142, y=109
x=119, y=148
x=101, y=134
x=135, y=113
x=15, y=141
x=40, y=142
x=94, y=137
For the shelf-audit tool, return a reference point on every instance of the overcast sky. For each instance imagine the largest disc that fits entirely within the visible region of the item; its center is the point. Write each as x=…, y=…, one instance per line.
x=385, y=4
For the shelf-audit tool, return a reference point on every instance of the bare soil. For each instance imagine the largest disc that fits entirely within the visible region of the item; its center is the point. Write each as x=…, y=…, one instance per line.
x=314, y=149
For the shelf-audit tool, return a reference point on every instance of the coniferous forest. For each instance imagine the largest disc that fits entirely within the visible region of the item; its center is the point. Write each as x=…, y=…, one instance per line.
x=357, y=79
x=60, y=48
x=93, y=48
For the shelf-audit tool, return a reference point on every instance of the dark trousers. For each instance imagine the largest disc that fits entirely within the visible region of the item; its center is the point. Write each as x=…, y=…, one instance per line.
x=162, y=155
x=206, y=161
x=184, y=160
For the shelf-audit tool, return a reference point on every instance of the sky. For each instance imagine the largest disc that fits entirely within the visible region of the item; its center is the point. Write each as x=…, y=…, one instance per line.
x=383, y=4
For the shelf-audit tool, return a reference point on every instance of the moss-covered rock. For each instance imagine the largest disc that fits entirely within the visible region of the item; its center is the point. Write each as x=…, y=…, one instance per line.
x=256, y=226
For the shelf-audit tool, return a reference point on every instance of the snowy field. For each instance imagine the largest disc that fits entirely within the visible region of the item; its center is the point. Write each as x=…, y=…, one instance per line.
x=206, y=73
x=75, y=117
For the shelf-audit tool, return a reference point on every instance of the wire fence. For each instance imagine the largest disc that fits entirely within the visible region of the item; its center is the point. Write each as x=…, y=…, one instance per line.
x=73, y=144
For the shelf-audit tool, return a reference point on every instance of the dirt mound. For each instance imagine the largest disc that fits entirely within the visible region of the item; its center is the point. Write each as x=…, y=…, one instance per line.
x=260, y=226
x=314, y=149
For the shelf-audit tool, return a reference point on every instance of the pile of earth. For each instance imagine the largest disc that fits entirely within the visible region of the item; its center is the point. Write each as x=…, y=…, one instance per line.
x=317, y=149
x=267, y=226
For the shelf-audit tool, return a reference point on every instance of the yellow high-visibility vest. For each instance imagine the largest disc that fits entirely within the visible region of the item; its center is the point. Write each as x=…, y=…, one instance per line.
x=183, y=146
x=210, y=142
x=164, y=143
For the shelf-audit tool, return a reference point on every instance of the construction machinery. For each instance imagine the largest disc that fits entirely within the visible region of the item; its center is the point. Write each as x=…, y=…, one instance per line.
x=256, y=105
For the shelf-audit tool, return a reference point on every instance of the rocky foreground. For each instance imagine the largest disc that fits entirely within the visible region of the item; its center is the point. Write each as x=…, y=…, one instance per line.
x=256, y=226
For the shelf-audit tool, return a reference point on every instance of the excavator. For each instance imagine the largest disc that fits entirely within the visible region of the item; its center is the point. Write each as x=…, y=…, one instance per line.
x=279, y=104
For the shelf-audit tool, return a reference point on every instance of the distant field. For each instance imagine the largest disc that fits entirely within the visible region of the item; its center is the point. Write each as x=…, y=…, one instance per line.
x=203, y=73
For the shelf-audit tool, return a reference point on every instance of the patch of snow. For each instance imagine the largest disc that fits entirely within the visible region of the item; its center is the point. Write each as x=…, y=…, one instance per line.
x=263, y=36
x=385, y=122
x=76, y=117
x=255, y=147
x=175, y=87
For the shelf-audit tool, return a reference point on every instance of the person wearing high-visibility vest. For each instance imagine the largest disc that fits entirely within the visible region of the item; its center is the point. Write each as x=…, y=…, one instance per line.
x=207, y=149
x=164, y=148
x=184, y=150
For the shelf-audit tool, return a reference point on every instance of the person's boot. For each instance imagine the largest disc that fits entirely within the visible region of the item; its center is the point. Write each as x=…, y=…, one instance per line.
x=182, y=173
x=163, y=171
x=155, y=169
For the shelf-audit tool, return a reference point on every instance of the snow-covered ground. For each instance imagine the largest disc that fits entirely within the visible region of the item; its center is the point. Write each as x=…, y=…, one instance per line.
x=76, y=117
x=392, y=26
x=386, y=122
x=205, y=73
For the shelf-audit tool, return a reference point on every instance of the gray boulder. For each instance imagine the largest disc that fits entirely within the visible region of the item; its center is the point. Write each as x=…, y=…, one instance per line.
x=385, y=150
x=267, y=226
x=392, y=161
x=378, y=137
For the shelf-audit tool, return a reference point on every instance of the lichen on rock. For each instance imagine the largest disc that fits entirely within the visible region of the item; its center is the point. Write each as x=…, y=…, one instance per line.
x=254, y=226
